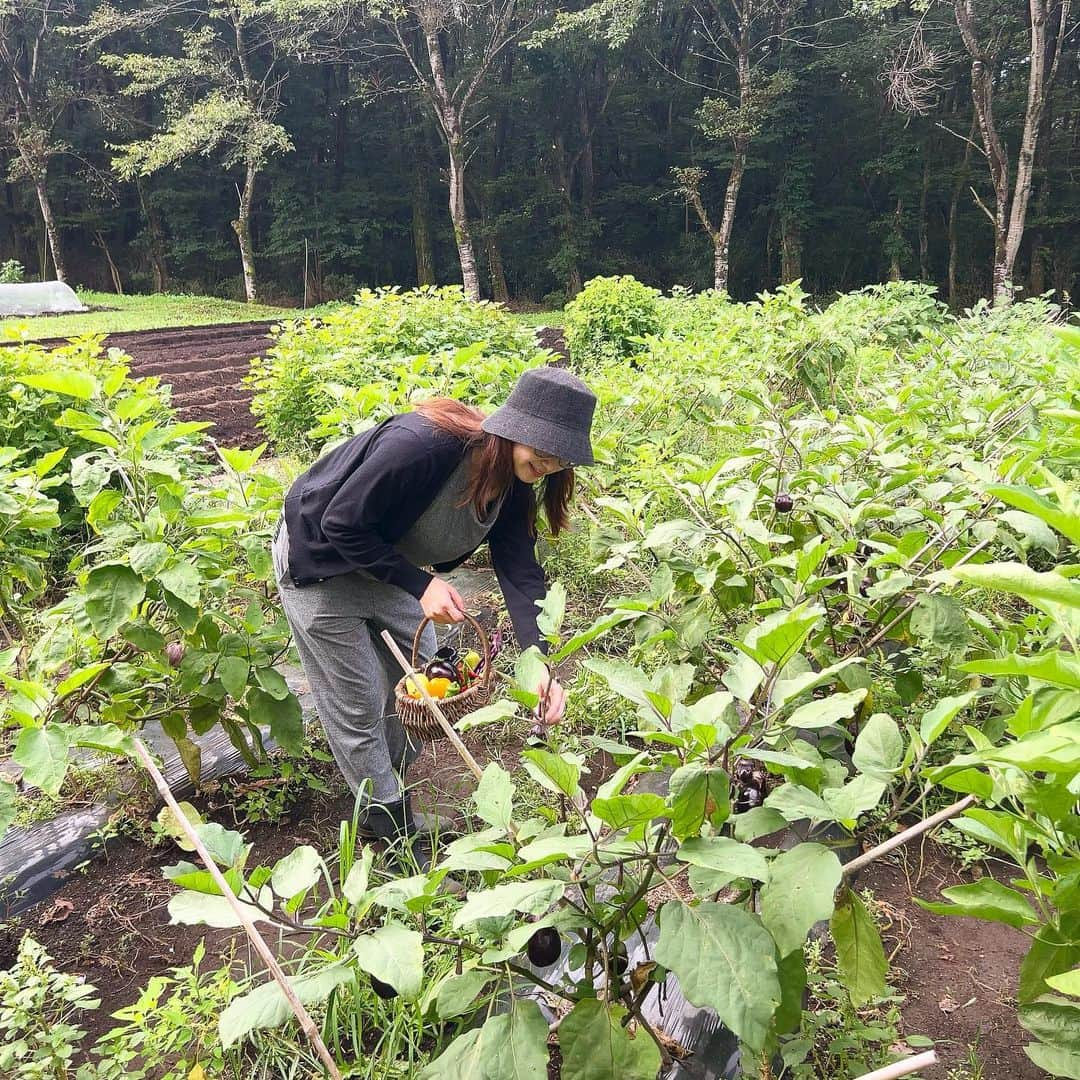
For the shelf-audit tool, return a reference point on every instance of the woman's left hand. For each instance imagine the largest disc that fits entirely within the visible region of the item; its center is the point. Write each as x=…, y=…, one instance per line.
x=552, y=707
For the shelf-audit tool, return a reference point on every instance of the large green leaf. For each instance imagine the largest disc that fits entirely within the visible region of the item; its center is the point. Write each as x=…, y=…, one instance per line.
x=1047, y=591
x=8, y=795
x=879, y=749
x=182, y=579
x=559, y=773
x=800, y=890
x=510, y=1046
x=791, y=971
x=725, y=855
x=825, y=711
x=860, y=957
x=199, y=909
x=284, y=718
x=1068, y=982
x=112, y=593
x=596, y=1046
x=985, y=899
x=1055, y=949
x=1031, y=502
x=1054, y=1060
x=1054, y=1020
x=494, y=796
x=935, y=722
x=43, y=754
x=696, y=794
x=267, y=1007
x=394, y=954
x=528, y=897
x=861, y=793
x=296, y=872
x=148, y=558
x=1055, y=750
x=71, y=383
x=778, y=637
x=1052, y=666
x=940, y=620
x=627, y=811
x=725, y=959
x=233, y=672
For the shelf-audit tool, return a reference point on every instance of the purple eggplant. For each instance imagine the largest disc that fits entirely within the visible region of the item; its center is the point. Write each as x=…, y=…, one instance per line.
x=441, y=669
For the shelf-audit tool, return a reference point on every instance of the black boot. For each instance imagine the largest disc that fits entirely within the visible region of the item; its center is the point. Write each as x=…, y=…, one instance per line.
x=394, y=822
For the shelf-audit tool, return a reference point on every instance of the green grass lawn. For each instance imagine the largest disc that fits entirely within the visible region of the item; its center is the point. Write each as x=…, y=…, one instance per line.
x=540, y=318
x=144, y=313
x=163, y=309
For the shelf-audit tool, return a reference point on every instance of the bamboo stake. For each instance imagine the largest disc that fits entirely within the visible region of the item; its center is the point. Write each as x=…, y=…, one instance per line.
x=903, y=1068
x=904, y=837
x=302, y=1015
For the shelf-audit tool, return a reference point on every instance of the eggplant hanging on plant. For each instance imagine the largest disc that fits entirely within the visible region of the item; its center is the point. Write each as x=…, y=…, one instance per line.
x=620, y=961
x=544, y=946
x=383, y=990
x=751, y=783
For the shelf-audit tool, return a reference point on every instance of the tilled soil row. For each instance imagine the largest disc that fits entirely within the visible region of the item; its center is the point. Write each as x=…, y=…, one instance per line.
x=205, y=366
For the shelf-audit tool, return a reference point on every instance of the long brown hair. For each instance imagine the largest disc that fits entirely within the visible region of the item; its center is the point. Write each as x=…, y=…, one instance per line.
x=492, y=470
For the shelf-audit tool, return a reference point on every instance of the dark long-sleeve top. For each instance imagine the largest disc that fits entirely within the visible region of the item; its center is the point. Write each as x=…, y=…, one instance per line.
x=348, y=510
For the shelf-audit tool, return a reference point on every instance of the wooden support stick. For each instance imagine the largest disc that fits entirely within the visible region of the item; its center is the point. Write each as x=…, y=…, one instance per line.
x=903, y=1068
x=302, y=1015
x=904, y=837
x=448, y=728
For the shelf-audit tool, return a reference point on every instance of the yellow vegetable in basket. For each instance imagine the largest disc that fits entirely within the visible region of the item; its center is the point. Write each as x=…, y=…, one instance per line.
x=442, y=688
x=411, y=687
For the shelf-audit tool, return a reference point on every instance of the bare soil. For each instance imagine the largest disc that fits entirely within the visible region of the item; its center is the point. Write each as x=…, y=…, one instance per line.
x=958, y=976
x=205, y=366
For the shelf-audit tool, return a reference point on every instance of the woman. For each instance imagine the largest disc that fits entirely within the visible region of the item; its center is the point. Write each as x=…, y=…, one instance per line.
x=421, y=489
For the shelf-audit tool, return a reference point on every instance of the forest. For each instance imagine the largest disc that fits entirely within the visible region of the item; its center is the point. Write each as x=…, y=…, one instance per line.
x=292, y=151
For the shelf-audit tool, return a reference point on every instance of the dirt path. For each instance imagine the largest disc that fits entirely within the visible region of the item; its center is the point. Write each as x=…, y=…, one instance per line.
x=958, y=976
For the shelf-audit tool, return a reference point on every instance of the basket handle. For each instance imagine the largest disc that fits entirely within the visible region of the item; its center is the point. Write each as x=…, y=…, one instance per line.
x=484, y=646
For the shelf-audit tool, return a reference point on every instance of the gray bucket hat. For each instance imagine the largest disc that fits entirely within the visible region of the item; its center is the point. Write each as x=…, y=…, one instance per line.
x=550, y=410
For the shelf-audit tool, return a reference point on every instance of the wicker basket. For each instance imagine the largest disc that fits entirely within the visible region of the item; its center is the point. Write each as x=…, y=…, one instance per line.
x=416, y=715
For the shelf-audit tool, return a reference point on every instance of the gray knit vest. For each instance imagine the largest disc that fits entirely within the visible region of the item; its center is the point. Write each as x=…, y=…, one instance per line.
x=446, y=531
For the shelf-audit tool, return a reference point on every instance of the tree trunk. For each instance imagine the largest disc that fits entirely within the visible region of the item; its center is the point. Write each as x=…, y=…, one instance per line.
x=954, y=209
x=924, y=226
x=470, y=278
x=242, y=227
x=1009, y=215
x=722, y=239
x=791, y=247
x=157, y=239
x=52, y=232
x=17, y=239
x=421, y=229
x=114, y=273
x=499, y=291
x=450, y=120
x=896, y=271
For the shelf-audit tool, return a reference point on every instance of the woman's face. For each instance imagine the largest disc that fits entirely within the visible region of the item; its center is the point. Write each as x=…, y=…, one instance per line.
x=531, y=465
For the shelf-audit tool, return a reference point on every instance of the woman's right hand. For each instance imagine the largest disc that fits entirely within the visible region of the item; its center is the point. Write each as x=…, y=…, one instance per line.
x=442, y=603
